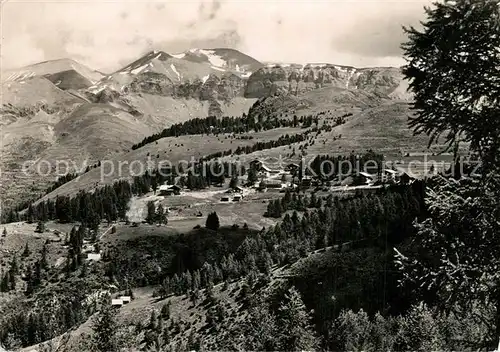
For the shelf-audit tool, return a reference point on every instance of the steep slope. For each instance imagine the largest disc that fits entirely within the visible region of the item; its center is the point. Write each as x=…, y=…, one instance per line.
x=78, y=138
x=383, y=128
x=314, y=101
x=49, y=68
x=161, y=111
x=31, y=109
x=35, y=90
x=97, y=130
x=70, y=79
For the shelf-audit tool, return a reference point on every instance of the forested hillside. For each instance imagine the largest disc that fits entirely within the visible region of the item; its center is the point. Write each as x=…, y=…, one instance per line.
x=232, y=252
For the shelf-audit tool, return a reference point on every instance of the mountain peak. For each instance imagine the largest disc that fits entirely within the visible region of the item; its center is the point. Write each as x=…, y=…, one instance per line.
x=225, y=58
x=145, y=60
x=50, y=67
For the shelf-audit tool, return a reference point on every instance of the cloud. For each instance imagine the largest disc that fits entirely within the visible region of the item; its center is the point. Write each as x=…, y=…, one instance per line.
x=229, y=39
x=207, y=11
x=378, y=34
x=107, y=35
x=215, y=8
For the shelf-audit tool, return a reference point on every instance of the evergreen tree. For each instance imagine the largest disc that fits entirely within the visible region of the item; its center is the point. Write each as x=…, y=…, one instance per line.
x=252, y=176
x=274, y=208
x=153, y=320
x=130, y=293
x=30, y=214
x=29, y=282
x=212, y=222
x=26, y=251
x=5, y=282
x=260, y=332
x=165, y=288
x=104, y=330
x=234, y=182
x=294, y=319
x=151, y=212
x=161, y=217
x=165, y=311
x=154, y=184
x=14, y=268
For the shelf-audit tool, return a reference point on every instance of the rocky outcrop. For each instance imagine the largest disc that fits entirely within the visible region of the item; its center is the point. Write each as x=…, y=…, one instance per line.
x=299, y=79
x=215, y=108
x=295, y=79
x=152, y=83
x=224, y=87
x=105, y=96
x=382, y=80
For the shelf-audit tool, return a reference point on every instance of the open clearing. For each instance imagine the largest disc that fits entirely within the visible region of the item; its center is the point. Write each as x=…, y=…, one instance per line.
x=192, y=207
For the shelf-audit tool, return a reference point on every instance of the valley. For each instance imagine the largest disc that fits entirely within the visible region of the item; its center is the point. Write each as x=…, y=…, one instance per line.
x=181, y=203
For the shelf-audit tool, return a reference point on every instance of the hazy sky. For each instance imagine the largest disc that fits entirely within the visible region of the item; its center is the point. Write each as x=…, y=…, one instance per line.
x=107, y=35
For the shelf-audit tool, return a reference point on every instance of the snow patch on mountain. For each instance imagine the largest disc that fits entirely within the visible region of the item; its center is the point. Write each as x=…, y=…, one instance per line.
x=20, y=75
x=179, y=56
x=139, y=69
x=205, y=78
x=343, y=69
x=351, y=73
x=97, y=88
x=172, y=66
x=318, y=65
x=214, y=59
x=271, y=65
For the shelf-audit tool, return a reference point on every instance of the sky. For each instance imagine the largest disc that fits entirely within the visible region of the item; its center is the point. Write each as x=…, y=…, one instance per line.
x=107, y=35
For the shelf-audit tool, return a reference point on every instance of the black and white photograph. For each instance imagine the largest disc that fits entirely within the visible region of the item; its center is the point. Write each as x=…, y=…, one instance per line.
x=249, y=175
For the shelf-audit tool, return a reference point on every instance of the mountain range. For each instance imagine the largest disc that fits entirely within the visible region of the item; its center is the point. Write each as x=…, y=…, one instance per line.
x=62, y=109
x=206, y=74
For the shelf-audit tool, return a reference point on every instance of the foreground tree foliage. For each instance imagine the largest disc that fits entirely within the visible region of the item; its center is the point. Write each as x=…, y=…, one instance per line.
x=454, y=71
x=420, y=329
x=277, y=321
x=457, y=250
x=453, y=64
